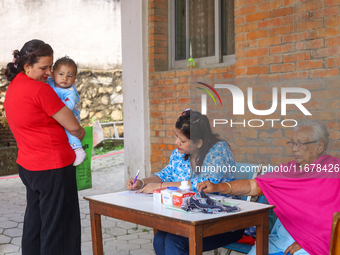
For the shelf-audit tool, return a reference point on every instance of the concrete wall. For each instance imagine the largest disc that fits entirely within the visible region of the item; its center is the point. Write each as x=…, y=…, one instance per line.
x=87, y=31
x=135, y=92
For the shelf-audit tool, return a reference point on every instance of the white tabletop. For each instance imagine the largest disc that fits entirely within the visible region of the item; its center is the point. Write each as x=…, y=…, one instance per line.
x=146, y=204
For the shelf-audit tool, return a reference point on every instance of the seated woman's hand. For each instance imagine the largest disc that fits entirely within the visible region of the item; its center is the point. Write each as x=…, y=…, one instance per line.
x=293, y=248
x=207, y=187
x=148, y=189
x=138, y=184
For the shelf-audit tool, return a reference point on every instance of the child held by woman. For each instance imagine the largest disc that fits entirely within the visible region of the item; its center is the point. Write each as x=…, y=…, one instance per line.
x=62, y=80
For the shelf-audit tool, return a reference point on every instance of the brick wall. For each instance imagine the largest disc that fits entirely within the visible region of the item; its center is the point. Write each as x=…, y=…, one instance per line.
x=277, y=42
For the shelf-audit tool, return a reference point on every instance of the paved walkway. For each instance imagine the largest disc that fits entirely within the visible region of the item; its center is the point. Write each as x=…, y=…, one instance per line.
x=119, y=237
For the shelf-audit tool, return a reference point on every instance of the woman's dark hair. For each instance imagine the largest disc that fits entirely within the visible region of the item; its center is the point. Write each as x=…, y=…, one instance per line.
x=65, y=61
x=29, y=53
x=196, y=126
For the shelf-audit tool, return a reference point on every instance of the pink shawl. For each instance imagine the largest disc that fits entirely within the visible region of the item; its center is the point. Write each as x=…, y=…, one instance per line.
x=305, y=202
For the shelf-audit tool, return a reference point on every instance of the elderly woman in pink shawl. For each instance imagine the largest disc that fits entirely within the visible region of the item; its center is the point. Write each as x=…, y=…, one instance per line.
x=305, y=191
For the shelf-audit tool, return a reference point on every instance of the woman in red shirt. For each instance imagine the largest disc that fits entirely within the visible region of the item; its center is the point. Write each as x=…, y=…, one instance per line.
x=37, y=118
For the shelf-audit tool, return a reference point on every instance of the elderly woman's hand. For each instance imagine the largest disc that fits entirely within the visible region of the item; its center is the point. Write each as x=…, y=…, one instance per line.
x=207, y=187
x=293, y=248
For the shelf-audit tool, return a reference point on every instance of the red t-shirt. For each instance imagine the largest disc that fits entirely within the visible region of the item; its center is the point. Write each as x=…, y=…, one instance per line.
x=41, y=140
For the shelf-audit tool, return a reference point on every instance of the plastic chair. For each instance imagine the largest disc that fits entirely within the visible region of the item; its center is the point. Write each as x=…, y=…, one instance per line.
x=244, y=171
x=335, y=238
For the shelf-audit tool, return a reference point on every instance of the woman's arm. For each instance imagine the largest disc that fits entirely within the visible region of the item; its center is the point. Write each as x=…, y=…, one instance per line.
x=66, y=118
x=236, y=188
x=216, y=167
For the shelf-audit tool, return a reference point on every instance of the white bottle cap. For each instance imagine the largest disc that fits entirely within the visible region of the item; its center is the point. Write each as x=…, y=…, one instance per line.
x=184, y=185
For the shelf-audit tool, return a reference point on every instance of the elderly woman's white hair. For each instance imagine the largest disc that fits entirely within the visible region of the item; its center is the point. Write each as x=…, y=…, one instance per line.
x=319, y=133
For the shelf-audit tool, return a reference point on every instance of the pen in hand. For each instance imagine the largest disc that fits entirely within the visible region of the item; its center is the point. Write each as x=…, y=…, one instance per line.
x=134, y=181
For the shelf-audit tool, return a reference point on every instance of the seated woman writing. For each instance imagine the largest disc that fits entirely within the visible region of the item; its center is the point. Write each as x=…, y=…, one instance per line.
x=305, y=192
x=198, y=155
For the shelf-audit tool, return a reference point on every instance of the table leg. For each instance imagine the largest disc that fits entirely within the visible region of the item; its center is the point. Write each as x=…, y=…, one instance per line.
x=262, y=234
x=96, y=231
x=195, y=240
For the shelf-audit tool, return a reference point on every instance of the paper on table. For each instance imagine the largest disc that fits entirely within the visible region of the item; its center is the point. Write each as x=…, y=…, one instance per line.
x=132, y=193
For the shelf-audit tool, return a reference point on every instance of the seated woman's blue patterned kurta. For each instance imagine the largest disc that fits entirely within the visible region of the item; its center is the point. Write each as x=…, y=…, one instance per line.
x=215, y=167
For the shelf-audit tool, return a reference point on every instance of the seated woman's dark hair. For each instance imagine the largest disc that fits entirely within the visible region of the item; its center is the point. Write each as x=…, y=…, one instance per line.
x=196, y=126
x=29, y=53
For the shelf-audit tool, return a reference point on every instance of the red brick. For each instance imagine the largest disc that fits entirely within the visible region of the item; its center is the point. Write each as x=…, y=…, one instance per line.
x=324, y=33
x=240, y=71
x=246, y=150
x=312, y=44
x=332, y=11
x=283, y=68
x=308, y=6
x=306, y=26
x=295, y=18
x=245, y=10
x=332, y=21
x=333, y=41
x=270, y=23
x=240, y=37
x=332, y=62
x=281, y=30
x=269, y=5
x=290, y=2
x=296, y=57
x=296, y=75
x=257, y=16
x=323, y=73
x=240, y=54
x=183, y=80
x=246, y=62
x=295, y=37
x=309, y=64
x=272, y=59
x=281, y=12
x=270, y=78
x=326, y=52
x=183, y=73
x=257, y=34
x=257, y=70
x=257, y=52
x=239, y=20
x=218, y=70
x=282, y=49
x=269, y=41
x=250, y=2
x=332, y=2
x=246, y=27
x=200, y=71
x=239, y=3
x=328, y=94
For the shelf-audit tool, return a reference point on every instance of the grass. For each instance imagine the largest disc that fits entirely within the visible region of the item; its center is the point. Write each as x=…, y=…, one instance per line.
x=107, y=146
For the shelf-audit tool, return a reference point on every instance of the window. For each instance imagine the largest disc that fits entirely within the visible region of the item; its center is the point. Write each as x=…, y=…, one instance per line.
x=203, y=30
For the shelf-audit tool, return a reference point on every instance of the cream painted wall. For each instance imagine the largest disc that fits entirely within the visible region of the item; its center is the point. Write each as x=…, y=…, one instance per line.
x=89, y=31
x=135, y=92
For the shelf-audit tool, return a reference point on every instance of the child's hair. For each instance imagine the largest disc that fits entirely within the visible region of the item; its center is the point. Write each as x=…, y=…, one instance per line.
x=65, y=61
x=29, y=54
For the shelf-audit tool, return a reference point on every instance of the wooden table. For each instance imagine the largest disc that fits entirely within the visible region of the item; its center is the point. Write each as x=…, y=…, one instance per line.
x=195, y=226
